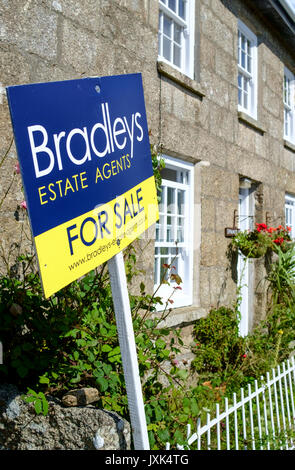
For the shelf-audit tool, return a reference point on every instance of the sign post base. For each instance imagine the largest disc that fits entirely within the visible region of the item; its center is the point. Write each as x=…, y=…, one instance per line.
x=128, y=351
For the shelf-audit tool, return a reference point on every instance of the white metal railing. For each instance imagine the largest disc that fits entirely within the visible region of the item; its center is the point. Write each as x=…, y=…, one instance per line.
x=263, y=418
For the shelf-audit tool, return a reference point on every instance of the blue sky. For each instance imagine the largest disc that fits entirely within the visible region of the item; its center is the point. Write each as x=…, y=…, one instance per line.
x=291, y=4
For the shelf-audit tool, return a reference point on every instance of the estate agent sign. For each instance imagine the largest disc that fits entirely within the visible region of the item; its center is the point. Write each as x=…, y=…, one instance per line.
x=86, y=165
x=85, y=160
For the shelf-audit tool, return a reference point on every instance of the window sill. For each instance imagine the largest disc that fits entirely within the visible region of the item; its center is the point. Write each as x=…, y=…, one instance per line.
x=243, y=117
x=288, y=145
x=177, y=77
x=183, y=315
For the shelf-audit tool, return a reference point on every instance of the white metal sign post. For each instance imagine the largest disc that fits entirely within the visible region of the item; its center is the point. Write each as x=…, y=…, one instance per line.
x=128, y=351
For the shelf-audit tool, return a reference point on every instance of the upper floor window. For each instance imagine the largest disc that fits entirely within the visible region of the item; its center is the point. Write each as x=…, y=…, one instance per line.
x=288, y=97
x=174, y=233
x=176, y=34
x=247, y=70
x=290, y=213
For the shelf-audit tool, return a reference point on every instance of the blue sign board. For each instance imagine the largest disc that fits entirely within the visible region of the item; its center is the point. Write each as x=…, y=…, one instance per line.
x=84, y=153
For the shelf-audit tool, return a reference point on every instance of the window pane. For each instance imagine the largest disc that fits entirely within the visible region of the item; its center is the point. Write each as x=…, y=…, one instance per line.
x=181, y=10
x=169, y=174
x=249, y=64
x=170, y=200
x=163, y=270
x=172, y=5
x=245, y=45
x=174, y=265
x=177, y=33
x=243, y=59
x=177, y=56
x=167, y=26
x=157, y=232
x=180, y=230
x=240, y=97
x=160, y=233
x=183, y=177
x=180, y=202
x=245, y=96
x=240, y=86
x=167, y=48
x=170, y=229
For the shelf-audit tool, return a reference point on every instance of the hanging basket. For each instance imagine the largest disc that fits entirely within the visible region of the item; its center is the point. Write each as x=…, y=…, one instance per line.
x=254, y=251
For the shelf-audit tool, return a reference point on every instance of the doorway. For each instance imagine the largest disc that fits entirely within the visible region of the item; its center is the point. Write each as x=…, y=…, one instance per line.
x=245, y=266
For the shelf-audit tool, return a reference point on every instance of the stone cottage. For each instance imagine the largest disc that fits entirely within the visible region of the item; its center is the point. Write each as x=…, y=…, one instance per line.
x=218, y=79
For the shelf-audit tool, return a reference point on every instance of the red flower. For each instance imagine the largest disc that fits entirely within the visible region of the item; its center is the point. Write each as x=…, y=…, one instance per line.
x=24, y=205
x=17, y=168
x=260, y=227
x=278, y=241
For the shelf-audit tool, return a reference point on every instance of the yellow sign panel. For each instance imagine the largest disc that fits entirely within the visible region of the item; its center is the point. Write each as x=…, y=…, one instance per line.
x=89, y=240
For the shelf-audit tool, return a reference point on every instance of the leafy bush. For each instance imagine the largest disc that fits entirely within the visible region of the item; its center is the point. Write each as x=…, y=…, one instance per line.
x=70, y=341
x=218, y=343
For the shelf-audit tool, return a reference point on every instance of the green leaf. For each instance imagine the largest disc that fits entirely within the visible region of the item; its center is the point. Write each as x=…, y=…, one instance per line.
x=160, y=343
x=22, y=371
x=163, y=434
x=44, y=380
x=38, y=407
x=45, y=407
x=103, y=383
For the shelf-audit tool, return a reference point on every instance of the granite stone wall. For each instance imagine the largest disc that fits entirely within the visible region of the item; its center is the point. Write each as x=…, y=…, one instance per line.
x=196, y=120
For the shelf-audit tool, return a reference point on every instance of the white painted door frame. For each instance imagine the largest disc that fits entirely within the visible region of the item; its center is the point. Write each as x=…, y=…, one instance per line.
x=245, y=266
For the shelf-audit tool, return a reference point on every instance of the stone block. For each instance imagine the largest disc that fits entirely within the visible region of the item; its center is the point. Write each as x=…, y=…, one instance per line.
x=78, y=428
x=208, y=249
x=87, y=13
x=80, y=49
x=216, y=30
x=222, y=123
x=30, y=27
x=224, y=214
x=208, y=214
x=272, y=102
x=215, y=88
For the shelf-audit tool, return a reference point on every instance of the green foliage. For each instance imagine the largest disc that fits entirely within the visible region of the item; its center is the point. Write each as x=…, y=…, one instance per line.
x=224, y=360
x=218, y=343
x=38, y=399
x=158, y=164
x=70, y=341
x=281, y=278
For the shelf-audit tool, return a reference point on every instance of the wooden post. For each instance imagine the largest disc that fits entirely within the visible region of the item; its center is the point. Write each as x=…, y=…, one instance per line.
x=128, y=351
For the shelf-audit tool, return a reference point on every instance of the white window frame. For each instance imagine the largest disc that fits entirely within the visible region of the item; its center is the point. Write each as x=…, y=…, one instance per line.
x=187, y=35
x=290, y=214
x=289, y=106
x=247, y=76
x=184, y=296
